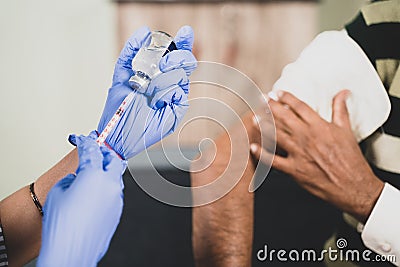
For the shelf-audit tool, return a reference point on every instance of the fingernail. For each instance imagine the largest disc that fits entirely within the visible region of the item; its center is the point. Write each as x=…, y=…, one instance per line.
x=273, y=95
x=280, y=93
x=348, y=94
x=253, y=148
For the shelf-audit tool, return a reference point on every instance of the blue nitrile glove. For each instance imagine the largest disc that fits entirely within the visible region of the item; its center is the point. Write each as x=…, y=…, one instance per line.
x=149, y=118
x=82, y=211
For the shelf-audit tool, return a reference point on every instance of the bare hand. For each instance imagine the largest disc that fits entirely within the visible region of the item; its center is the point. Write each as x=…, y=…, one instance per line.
x=323, y=157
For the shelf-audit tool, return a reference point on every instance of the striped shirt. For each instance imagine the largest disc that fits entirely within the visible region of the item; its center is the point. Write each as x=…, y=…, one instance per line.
x=377, y=30
x=3, y=254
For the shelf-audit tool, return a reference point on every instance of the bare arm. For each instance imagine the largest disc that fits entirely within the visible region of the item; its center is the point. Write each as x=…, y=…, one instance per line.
x=20, y=218
x=223, y=230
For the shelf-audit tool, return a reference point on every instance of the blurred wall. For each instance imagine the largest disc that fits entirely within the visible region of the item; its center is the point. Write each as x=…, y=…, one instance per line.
x=56, y=58
x=249, y=36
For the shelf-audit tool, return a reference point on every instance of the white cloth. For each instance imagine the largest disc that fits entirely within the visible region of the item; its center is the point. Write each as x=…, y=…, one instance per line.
x=333, y=62
x=381, y=233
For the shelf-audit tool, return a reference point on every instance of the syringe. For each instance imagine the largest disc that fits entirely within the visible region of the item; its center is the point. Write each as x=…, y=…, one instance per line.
x=115, y=118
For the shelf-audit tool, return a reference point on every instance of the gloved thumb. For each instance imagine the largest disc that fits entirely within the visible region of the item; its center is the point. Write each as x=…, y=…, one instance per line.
x=72, y=137
x=90, y=156
x=184, y=38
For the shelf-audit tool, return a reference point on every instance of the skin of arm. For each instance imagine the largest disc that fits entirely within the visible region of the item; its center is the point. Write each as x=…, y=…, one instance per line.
x=21, y=221
x=323, y=157
x=223, y=230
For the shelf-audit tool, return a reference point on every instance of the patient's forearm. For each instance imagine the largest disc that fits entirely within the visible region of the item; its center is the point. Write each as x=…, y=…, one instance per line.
x=223, y=230
x=20, y=218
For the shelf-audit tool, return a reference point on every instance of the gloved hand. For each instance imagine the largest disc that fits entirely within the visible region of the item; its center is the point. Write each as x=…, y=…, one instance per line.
x=149, y=118
x=82, y=211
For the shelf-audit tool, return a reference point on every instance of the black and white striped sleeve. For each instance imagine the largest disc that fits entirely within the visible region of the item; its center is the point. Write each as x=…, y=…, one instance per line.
x=3, y=254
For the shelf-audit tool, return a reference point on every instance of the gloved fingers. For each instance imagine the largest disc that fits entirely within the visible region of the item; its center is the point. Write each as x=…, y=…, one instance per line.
x=61, y=186
x=72, y=137
x=57, y=190
x=123, y=67
x=171, y=95
x=172, y=115
x=184, y=38
x=168, y=88
x=179, y=110
x=90, y=156
x=178, y=59
x=66, y=182
x=166, y=80
x=114, y=167
x=111, y=162
x=93, y=135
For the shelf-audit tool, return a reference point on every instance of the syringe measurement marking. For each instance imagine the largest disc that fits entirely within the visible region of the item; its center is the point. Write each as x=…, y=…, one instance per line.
x=113, y=121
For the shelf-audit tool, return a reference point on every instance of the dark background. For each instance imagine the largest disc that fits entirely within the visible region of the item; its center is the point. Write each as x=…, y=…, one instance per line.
x=155, y=234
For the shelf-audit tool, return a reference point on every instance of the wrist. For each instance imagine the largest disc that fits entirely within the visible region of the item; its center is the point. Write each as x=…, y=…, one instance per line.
x=368, y=199
x=35, y=199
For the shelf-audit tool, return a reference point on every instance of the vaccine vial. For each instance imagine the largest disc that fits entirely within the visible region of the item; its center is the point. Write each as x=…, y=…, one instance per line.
x=145, y=64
